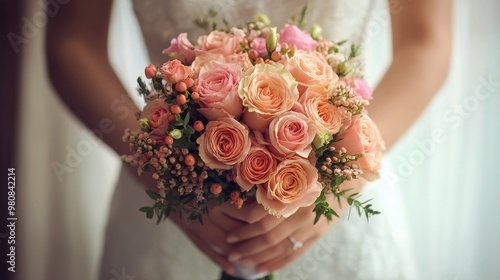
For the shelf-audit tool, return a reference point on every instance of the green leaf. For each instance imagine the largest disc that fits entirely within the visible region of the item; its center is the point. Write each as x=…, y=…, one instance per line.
x=149, y=213
x=145, y=209
x=189, y=130
x=186, y=119
x=152, y=194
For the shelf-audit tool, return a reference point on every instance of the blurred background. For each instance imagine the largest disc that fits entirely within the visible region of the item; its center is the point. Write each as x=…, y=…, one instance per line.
x=447, y=163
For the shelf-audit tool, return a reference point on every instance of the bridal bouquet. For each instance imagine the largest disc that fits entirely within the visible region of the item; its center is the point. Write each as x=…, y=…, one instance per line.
x=255, y=112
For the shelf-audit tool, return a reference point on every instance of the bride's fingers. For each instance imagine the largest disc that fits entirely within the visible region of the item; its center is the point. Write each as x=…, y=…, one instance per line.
x=283, y=259
x=248, y=231
x=280, y=250
x=211, y=252
x=264, y=241
x=251, y=212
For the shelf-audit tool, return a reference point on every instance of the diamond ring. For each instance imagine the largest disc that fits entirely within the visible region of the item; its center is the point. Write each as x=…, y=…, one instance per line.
x=295, y=244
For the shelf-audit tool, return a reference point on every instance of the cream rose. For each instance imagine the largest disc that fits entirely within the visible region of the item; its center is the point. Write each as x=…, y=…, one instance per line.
x=255, y=168
x=157, y=112
x=310, y=68
x=363, y=137
x=224, y=143
x=218, y=83
x=291, y=134
x=326, y=116
x=294, y=184
x=267, y=90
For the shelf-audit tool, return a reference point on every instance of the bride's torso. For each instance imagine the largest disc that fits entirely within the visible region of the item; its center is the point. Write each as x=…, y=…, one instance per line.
x=162, y=20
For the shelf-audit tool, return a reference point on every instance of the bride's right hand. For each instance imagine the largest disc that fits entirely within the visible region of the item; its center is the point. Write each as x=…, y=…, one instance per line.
x=210, y=237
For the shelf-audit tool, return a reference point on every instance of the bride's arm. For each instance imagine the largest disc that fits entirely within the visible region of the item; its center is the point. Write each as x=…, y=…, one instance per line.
x=82, y=75
x=421, y=40
x=421, y=48
x=80, y=71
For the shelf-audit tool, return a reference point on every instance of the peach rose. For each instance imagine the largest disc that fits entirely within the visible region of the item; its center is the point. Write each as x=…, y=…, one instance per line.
x=363, y=137
x=267, y=90
x=292, y=35
x=256, y=168
x=218, y=83
x=310, y=68
x=326, y=116
x=157, y=112
x=224, y=143
x=174, y=71
x=294, y=184
x=290, y=134
x=180, y=48
x=218, y=42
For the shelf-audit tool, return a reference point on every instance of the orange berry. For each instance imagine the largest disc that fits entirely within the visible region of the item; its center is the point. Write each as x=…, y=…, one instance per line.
x=176, y=109
x=198, y=126
x=181, y=87
x=238, y=202
x=259, y=60
x=253, y=54
x=189, y=82
x=169, y=140
x=150, y=71
x=234, y=195
x=189, y=160
x=276, y=56
x=215, y=188
x=170, y=118
x=195, y=89
x=195, y=95
x=181, y=99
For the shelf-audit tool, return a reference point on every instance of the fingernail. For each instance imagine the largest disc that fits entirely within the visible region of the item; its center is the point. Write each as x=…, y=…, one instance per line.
x=232, y=239
x=234, y=257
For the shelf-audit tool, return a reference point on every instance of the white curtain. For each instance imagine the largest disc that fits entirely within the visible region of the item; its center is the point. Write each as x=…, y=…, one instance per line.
x=446, y=162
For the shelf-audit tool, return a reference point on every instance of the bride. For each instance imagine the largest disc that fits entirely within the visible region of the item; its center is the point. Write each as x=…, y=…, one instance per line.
x=237, y=241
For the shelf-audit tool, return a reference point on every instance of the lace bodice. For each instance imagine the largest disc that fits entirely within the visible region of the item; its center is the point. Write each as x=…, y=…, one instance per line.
x=162, y=20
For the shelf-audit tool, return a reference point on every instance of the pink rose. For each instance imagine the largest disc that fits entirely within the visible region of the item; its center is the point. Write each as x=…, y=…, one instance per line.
x=174, y=71
x=259, y=44
x=294, y=184
x=224, y=143
x=267, y=90
x=363, y=137
x=218, y=42
x=243, y=60
x=326, y=116
x=181, y=49
x=218, y=83
x=360, y=87
x=292, y=35
x=310, y=68
x=256, y=168
x=291, y=133
x=157, y=112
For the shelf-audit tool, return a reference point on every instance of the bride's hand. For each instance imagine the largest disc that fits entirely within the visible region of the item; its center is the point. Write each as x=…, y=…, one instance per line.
x=266, y=245
x=210, y=237
x=266, y=242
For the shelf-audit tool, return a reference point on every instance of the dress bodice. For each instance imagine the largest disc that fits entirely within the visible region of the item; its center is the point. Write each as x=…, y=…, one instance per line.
x=162, y=20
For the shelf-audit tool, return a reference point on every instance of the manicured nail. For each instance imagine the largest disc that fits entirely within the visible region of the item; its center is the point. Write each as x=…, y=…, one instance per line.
x=232, y=239
x=234, y=257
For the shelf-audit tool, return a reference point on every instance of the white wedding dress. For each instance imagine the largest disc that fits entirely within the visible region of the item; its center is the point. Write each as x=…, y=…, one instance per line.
x=137, y=248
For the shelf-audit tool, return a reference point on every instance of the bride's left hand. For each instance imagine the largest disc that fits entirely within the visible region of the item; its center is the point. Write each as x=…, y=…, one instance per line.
x=265, y=243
